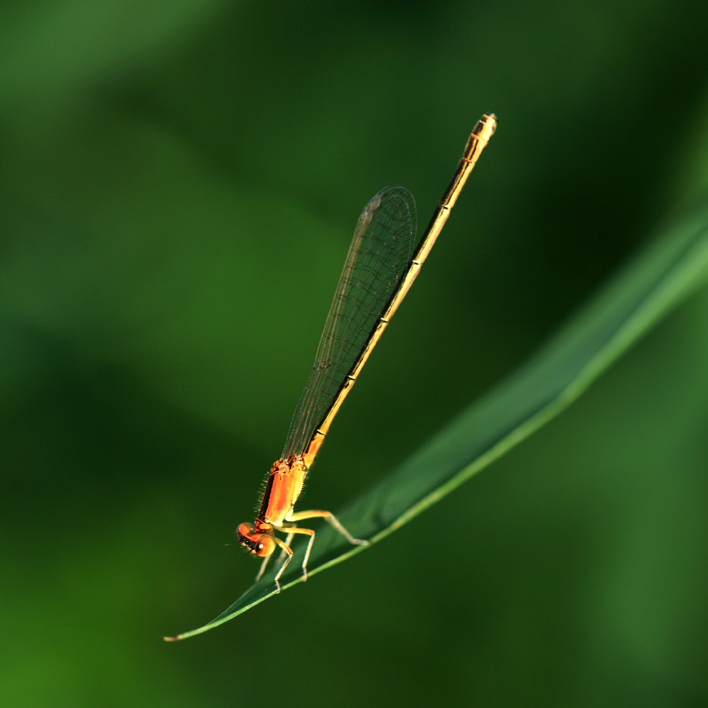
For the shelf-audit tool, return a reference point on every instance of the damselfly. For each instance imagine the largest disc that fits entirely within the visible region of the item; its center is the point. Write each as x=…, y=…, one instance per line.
x=383, y=261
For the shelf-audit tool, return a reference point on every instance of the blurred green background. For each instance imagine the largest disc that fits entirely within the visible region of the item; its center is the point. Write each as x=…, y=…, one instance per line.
x=179, y=181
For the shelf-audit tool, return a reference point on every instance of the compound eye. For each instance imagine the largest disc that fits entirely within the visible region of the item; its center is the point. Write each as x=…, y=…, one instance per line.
x=265, y=545
x=244, y=531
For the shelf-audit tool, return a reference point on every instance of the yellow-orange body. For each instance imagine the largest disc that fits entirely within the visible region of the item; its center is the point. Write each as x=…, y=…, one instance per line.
x=282, y=491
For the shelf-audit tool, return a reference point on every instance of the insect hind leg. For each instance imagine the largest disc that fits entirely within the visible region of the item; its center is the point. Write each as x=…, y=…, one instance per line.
x=333, y=521
x=319, y=514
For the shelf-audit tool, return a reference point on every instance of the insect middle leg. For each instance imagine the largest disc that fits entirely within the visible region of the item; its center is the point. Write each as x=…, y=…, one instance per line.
x=292, y=530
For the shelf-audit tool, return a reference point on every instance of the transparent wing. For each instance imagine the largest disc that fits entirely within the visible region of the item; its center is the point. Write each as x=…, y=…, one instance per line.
x=378, y=257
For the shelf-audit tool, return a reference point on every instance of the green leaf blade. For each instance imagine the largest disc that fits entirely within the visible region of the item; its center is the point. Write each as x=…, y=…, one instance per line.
x=636, y=300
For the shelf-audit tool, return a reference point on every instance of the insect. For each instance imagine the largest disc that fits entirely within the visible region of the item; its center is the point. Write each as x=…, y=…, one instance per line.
x=383, y=261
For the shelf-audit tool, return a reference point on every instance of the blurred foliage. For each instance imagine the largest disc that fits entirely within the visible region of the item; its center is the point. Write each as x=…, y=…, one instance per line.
x=178, y=186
